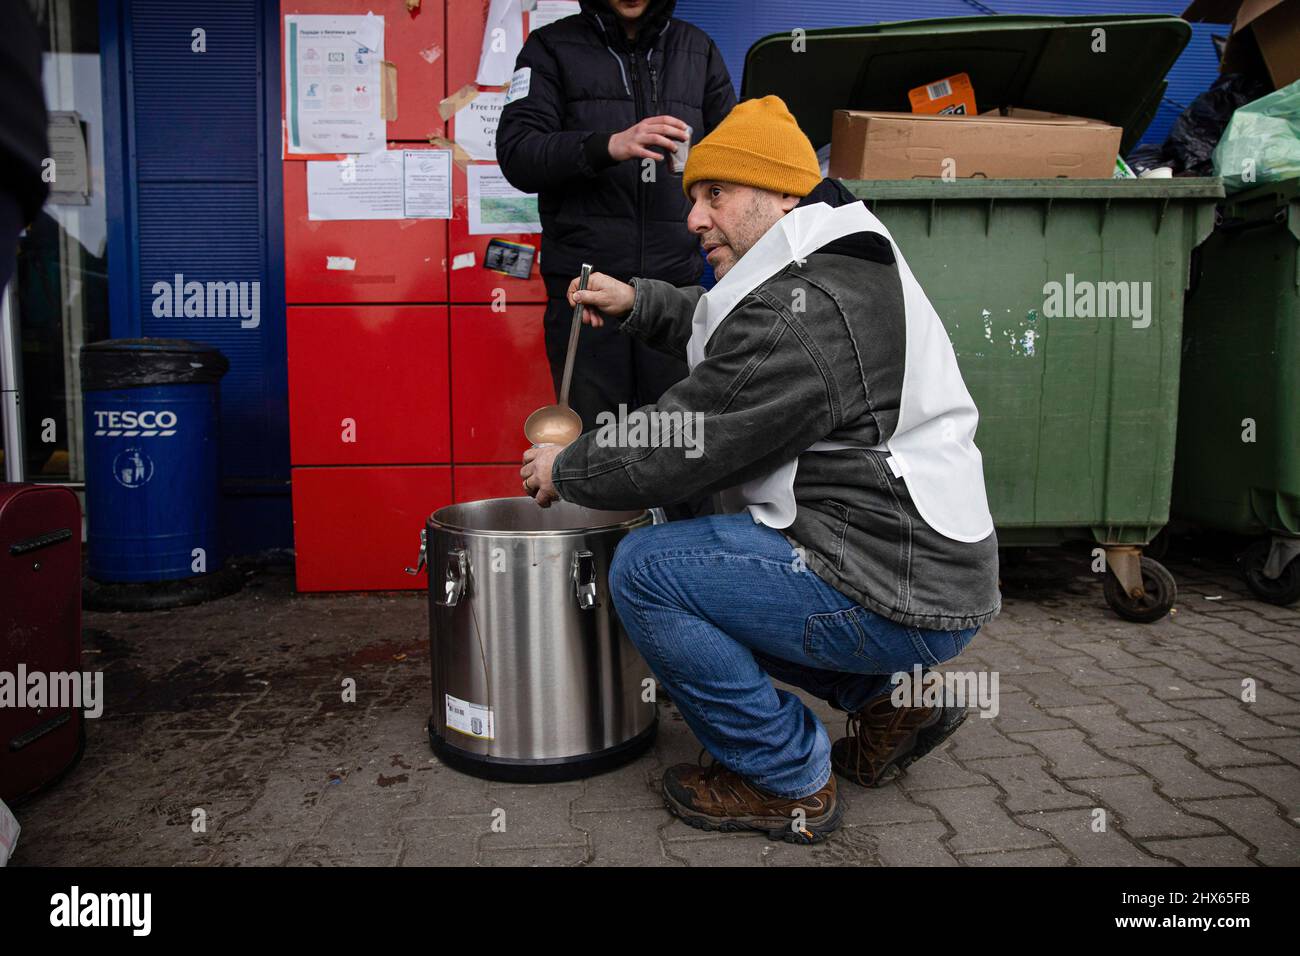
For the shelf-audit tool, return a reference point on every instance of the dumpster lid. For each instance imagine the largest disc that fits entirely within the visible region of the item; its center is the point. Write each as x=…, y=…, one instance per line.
x=1038, y=62
x=135, y=363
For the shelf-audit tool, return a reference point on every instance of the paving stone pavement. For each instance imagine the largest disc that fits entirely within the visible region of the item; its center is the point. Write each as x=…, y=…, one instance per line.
x=225, y=740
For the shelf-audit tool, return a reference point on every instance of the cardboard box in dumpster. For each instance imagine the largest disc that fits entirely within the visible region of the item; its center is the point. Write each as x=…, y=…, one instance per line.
x=1024, y=145
x=1274, y=25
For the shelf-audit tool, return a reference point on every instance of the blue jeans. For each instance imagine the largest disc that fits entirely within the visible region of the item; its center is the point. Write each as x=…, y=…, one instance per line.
x=717, y=604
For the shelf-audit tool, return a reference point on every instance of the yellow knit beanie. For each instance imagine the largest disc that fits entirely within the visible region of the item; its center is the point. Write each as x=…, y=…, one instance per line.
x=757, y=144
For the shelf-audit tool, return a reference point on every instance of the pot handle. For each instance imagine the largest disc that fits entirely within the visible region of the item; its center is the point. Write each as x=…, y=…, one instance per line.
x=454, y=585
x=422, y=558
x=584, y=579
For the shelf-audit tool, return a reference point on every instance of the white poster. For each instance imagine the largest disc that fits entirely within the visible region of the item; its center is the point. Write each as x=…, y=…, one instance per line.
x=495, y=206
x=359, y=187
x=395, y=184
x=548, y=11
x=427, y=191
x=503, y=37
x=71, y=183
x=476, y=125
x=72, y=84
x=332, y=83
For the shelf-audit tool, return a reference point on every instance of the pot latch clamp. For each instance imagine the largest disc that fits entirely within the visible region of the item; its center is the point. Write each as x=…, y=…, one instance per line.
x=422, y=558
x=584, y=579
x=457, y=573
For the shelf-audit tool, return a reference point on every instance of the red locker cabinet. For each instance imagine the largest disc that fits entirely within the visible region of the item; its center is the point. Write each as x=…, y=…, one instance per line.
x=476, y=482
x=355, y=529
x=473, y=282
x=414, y=42
x=499, y=376
x=368, y=385
x=370, y=260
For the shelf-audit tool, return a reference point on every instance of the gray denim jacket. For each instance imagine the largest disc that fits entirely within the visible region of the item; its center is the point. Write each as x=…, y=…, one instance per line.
x=816, y=352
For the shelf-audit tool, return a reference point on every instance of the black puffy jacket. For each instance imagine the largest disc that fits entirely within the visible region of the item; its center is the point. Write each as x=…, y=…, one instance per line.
x=23, y=147
x=587, y=82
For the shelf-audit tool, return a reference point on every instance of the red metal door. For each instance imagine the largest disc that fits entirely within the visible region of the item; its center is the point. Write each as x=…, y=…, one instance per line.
x=357, y=528
x=499, y=376
x=385, y=260
x=368, y=385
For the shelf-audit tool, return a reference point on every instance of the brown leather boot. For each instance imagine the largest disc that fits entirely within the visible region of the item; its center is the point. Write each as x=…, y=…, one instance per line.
x=882, y=735
x=715, y=798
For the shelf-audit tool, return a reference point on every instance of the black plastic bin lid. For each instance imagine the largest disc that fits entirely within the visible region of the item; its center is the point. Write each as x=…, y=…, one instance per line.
x=1054, y=64
x=135, y=363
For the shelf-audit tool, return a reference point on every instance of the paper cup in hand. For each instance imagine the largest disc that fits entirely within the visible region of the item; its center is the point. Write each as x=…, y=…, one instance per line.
x=683, y=150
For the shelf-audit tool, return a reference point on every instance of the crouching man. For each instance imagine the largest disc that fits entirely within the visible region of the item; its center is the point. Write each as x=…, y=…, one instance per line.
x=853, y=539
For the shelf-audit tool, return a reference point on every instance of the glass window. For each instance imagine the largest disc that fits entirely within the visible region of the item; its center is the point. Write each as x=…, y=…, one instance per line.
x=60, y=284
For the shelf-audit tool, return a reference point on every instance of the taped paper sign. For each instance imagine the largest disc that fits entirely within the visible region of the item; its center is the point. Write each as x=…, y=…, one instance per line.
x=334, y=83
x=495, y=206
x=503, y=37
x=426, y=189
x=340, y=263
x=71, y=184
x=393, y=184
x=519, y=84
x=476, y=126
x=360, y=187
x=548, y=11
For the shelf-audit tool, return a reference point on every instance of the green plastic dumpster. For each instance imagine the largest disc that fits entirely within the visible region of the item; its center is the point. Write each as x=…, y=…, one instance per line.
x=1063, y=298
x=1238, y=464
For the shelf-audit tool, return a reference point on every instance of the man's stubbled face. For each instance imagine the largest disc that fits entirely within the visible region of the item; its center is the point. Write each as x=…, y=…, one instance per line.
x=729, y=219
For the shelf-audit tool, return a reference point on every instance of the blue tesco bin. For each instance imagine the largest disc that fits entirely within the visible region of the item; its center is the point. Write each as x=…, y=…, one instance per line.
x=152, y=471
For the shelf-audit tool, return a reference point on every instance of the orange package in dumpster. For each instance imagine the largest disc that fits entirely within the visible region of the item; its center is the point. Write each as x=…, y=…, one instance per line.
x=951, y=96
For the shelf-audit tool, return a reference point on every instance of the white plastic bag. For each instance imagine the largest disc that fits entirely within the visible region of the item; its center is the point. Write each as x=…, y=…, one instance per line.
x=9, y=830
x=1262, y=141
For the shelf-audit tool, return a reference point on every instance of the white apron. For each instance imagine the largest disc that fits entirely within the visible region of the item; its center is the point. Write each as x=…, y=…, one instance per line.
x=932, y=449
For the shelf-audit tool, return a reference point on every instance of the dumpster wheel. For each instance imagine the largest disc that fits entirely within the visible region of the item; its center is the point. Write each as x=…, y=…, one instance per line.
x=1159, y=594
x=1283, y=590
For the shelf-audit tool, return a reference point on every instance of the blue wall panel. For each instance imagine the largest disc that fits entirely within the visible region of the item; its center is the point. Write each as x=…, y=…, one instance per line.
x=196, y=112
x=208, y=232
x=734, y=26
x=200, y=197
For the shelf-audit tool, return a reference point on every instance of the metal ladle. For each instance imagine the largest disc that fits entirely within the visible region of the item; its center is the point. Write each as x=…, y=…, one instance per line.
x=560, y=424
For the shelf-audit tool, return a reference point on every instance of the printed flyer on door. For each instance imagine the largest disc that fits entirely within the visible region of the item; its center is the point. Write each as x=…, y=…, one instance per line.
x=332, y=83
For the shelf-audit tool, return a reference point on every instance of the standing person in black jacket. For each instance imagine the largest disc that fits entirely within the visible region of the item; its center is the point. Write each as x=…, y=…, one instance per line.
x=609, y=94
x=23, y=147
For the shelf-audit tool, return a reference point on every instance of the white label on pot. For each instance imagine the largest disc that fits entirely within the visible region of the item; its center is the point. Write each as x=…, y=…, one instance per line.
x=472, y=720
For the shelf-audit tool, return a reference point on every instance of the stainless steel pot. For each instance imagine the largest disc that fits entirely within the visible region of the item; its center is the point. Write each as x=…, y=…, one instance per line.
x=534, y=677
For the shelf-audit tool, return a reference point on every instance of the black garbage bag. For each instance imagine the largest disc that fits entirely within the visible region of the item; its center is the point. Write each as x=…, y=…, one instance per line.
x=1145, y=156
x=1191, y=141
